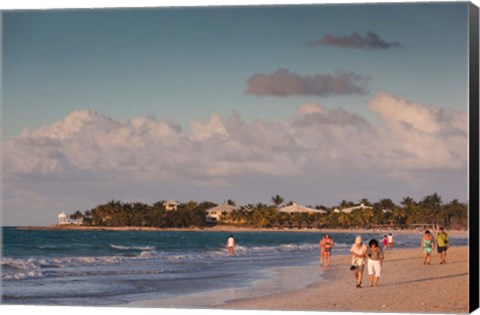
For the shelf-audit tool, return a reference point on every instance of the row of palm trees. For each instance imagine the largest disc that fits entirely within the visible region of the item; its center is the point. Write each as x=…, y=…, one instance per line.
x=429, y=210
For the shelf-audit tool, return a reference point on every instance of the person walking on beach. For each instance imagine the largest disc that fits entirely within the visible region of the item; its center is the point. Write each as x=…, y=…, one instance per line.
x=442, y=245
x=231, y=244
x=327, y=247
x=322, y=250
x=390, y=240
x=427, y=244
x=374, y=262
x=385, y=242
x=359, y=253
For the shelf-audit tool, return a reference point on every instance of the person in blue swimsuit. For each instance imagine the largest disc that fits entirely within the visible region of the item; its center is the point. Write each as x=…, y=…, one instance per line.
x=427, y=244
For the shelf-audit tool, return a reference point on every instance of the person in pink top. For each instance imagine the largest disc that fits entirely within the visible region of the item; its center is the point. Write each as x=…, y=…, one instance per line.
x=385, y=242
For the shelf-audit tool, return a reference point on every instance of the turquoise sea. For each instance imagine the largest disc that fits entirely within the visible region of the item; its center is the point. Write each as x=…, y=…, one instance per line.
x=59, y=267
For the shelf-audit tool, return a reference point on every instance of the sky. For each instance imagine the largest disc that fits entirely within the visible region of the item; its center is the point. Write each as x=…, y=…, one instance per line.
x=316, y=103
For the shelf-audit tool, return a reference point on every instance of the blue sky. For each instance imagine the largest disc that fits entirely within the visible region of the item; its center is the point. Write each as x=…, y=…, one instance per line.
x=187, y=63
x=215, y=103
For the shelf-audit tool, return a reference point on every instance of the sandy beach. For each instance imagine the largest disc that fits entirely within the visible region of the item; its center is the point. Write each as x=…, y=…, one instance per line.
x=406, y=285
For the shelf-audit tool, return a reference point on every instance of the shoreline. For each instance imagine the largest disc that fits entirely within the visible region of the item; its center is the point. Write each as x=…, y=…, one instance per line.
x=427, y=288
x=231, y=228
x=404, y=278
x=277, y=280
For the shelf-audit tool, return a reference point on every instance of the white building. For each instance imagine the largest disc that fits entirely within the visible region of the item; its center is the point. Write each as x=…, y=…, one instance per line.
x=361, y=207
x=170, y=205
x=63, y=218
x=295, y=208
x=215, y=214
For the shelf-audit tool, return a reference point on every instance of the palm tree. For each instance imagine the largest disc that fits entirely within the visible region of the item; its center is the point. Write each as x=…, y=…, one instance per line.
x=346, y=204
x=76, y=215
x=431, y=206
x=387, y=204
x=367, y=215
x=411, y=210
x=277, y=200
x=344, y=220
x=454, y=210
x=399, y=215
x=365, y=202
x=356, y=217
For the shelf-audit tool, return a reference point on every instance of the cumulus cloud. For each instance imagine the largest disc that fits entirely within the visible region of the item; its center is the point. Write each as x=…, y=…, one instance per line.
x=87, y=154
x=412, y=136
x=417, y=136
x=284, y=83
x=355, y=40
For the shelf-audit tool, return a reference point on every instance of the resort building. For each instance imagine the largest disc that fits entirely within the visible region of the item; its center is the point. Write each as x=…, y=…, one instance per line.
x=215, y=214
x=63, y=218
x=295, y=208
x=170, y=205
x=360, y=207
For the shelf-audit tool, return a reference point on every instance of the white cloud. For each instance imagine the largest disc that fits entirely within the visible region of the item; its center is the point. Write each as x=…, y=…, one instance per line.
x=331, y=147
x=203, y=131
x=413, y=136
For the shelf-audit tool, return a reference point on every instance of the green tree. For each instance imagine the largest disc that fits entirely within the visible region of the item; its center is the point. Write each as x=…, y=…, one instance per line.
x=431, y=206
x=411, y=210
x=455, y=214
x=277, y=200
x=344, y=220
x=399, y=215
x=76, y=215
x=366, y=216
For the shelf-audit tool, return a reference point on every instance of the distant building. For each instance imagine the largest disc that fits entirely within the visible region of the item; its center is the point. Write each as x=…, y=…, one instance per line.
x=63, y=218
x=170, y=205
x=361, y=207
x=295, y=208
x=215, y=214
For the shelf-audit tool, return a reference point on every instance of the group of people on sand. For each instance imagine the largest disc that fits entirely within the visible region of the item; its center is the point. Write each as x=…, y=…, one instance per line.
x=388, y=241
x=372, y=255
x=429, y=242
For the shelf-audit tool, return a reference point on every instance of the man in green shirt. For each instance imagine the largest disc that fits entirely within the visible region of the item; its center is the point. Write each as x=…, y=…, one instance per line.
x=442, y=245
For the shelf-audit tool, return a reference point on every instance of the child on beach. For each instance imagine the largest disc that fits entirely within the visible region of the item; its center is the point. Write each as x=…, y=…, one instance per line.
x=390, y=240
x=374, y=262
x=385, y=242
x=427, y=245
x=230, y=244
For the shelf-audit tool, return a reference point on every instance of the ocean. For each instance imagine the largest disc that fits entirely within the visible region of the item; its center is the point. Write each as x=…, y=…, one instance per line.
x=110, y=268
